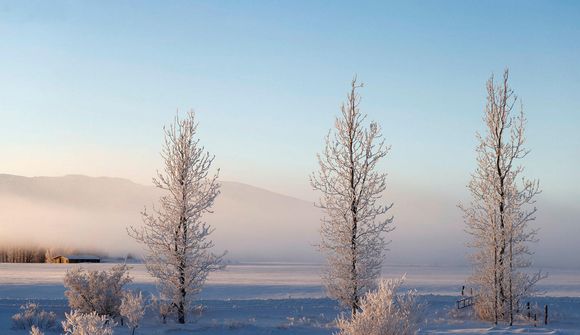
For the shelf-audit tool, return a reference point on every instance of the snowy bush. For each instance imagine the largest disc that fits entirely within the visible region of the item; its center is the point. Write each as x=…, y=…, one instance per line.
x=30, y=316
x=236, y=324
x=78, y=323
x=35, y=331
x=132, y=308
x=162, y=307
x=96, y=291
x=384, y=312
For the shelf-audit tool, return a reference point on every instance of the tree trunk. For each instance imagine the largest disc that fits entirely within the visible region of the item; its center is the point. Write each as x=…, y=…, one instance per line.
x=495, y=280
x=182, y=292
x=353, y=205
x=181, y=306
x=355, y=298
x=511, y=294
x=183, y=253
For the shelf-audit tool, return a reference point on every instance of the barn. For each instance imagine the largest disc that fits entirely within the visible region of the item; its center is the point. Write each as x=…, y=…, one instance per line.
x=76, y=259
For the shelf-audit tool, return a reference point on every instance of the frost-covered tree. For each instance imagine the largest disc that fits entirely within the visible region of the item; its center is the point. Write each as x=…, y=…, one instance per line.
x=78, y=323
x=132, y=309
x=501, y=209
x=175, y=236
x=353, y=229
x=48, y=256
x=96, y=291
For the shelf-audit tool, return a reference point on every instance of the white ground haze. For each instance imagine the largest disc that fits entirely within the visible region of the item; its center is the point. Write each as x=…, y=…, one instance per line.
x=253, y=224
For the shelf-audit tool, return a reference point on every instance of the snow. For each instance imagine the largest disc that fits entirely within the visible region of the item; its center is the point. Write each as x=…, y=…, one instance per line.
x=288, y=299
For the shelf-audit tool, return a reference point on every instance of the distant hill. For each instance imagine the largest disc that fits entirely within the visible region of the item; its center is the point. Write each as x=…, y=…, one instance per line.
x=253, y=224
x=85, y=212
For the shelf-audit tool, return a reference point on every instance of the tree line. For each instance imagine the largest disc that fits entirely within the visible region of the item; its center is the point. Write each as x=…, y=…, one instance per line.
x=22, y=255
x=28, y=254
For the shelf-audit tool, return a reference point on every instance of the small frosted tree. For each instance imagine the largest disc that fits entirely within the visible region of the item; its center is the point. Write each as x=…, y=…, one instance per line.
x=48, y=256
x=175, y=236
x=385, y=312
x=132, y=308
x=35, y=331
x=353, y=229
x=96, y=291
x=161, y=306
x=501, y=209
x=78, y=323
x=32, y=316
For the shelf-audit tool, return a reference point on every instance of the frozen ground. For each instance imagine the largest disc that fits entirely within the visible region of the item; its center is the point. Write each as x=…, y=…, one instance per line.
x=288, y=299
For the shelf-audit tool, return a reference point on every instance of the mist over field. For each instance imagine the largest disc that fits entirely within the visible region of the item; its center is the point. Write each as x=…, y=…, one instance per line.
x=253, y=224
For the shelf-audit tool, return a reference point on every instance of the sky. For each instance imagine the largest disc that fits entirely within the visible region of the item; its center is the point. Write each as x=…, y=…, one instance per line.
x=85, y=87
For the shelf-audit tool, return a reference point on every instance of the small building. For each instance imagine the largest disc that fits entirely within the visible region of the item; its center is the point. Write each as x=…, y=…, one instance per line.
x=76, y=259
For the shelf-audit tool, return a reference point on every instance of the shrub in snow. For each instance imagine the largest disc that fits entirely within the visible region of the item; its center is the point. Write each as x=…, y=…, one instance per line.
x=35, y=331
x=96, y=291
x=161, y=306
x=31, y=315
x=78, y=323
x=132, y=308
x=384, y=312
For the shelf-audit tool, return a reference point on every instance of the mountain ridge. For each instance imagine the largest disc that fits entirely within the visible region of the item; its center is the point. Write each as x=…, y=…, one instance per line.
x=86, y=212
x=252, y=223
x=81, y=177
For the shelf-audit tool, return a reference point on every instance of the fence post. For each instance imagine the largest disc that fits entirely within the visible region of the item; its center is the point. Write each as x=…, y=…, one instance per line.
x=546, y=314
x=528, y=308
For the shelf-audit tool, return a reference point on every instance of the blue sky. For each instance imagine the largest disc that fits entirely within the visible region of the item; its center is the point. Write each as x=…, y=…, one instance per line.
x=85, y=87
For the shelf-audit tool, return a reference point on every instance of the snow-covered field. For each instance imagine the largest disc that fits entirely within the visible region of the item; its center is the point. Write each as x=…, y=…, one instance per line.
x=288, y=299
